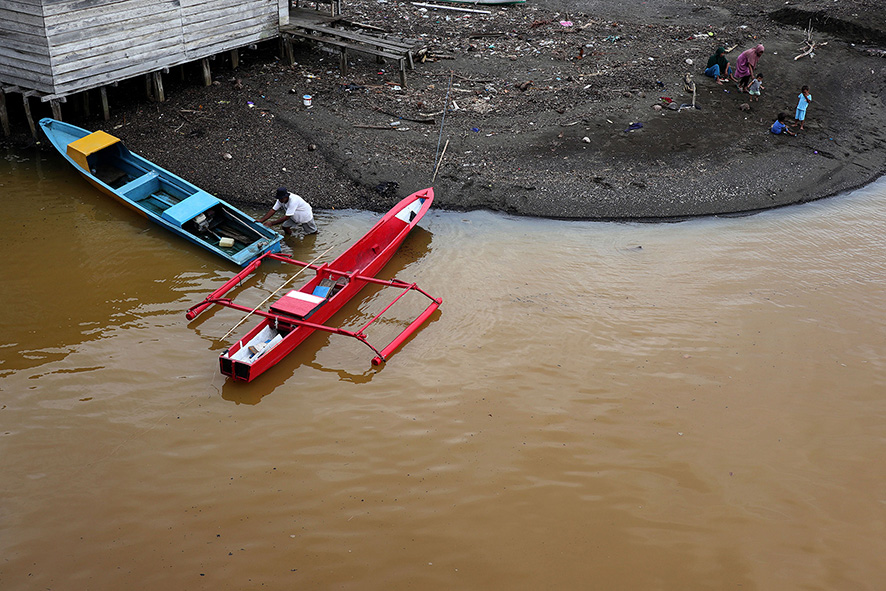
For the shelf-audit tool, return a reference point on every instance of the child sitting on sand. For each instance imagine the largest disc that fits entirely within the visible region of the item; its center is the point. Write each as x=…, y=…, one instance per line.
x=780, y=127
x=755, y=88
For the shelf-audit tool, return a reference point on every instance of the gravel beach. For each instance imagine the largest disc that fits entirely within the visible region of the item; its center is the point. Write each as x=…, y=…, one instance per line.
x=562, y=109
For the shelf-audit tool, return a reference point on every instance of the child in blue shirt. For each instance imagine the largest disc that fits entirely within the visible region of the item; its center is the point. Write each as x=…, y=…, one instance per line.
x=805, y=97
x=780, y=127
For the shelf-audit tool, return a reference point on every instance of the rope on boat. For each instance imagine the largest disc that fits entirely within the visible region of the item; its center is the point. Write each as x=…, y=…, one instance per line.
x=440, y=161
x=251, y=312
x=442, y=121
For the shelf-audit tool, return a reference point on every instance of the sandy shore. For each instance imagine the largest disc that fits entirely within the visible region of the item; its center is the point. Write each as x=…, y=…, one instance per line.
x=540, y=112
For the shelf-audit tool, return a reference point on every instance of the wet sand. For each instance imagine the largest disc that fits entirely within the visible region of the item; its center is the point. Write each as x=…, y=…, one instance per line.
x=542, y=115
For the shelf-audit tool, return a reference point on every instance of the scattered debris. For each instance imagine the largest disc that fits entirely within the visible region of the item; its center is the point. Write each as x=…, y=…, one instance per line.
x=455, y=8
x=809, y=44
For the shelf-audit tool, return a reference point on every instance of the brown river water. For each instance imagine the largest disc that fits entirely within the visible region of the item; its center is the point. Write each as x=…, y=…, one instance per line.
x=595, y=406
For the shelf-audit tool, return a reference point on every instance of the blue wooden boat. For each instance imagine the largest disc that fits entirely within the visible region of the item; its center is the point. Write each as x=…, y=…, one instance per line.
x=161, y=196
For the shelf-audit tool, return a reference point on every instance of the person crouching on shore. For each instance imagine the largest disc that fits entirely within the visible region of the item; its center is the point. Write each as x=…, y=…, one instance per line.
x=745, y=66
x=780, y=127
x=718, y=67
x=296, y=213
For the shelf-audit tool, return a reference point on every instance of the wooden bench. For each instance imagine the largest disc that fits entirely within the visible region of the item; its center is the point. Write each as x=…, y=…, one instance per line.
x=334, y=5
x=345, y=40
x=381, y=43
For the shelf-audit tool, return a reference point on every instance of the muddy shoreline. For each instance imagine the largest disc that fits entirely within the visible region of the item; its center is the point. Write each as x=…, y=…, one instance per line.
x=544, y=101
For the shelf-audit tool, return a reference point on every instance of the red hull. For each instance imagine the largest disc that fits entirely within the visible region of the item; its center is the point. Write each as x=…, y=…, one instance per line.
x=296, y=316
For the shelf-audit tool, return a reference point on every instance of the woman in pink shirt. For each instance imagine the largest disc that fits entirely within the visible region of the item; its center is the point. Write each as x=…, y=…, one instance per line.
x=745, y=66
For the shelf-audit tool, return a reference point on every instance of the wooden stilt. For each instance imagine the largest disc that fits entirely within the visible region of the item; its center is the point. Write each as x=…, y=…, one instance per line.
x=56, y=109
x=207, y=75
x=343, y=61
x=157, y=78
x=149, y=90
x=235, y=58
x=27, y=104
x=287, y=50
x=4, y=115
x=84, y=100
x=403, y=73
x=106, y=112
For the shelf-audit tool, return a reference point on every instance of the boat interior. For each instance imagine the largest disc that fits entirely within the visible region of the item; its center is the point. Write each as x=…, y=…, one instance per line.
x=297, y=304
x=158, y=194
x=263, y=341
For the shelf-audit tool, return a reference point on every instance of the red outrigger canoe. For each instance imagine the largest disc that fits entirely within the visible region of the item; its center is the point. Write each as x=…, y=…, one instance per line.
x=296, y=315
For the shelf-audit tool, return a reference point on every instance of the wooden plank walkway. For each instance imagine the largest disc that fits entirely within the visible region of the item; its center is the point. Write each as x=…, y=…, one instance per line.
x=317, y=27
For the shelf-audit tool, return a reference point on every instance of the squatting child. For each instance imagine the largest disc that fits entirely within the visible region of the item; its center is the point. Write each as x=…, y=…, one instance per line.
x=780, y=127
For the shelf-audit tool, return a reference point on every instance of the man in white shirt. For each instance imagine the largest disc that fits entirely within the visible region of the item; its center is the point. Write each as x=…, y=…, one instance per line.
x=296, y=213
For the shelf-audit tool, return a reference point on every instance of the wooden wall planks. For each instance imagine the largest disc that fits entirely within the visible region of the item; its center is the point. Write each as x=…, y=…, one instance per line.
x=59, y=47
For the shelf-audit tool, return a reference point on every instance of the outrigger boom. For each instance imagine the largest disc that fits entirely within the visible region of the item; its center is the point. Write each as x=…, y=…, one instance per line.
x=297, y=314
x=381, y=356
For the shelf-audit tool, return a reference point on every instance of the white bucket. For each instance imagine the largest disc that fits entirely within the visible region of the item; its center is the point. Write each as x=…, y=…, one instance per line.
x=307, y=100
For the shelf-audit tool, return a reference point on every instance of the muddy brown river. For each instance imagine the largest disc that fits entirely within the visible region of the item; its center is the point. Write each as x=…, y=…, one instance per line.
x=692, y=406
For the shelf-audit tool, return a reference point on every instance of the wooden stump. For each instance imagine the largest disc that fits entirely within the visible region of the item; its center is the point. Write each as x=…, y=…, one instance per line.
x=403, y=73
x=27, y=104
x=56, y=105
x=4, y=114
x=288, y=53
x=106, y=112
x=157, y=78
x=207, y=75
x=343, y=61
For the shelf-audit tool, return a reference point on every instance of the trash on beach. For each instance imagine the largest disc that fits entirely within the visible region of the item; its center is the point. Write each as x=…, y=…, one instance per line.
x=633, y=126
x=454, y=8
x=809, y=45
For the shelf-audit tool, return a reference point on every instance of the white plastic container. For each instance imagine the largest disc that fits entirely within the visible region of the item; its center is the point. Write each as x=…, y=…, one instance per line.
x=307, y=99
x=226, y=242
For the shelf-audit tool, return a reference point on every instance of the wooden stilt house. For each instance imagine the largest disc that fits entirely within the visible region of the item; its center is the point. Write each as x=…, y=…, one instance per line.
x=51, y=49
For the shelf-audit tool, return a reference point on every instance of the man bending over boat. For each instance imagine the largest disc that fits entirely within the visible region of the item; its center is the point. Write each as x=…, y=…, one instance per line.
x=296, y=213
